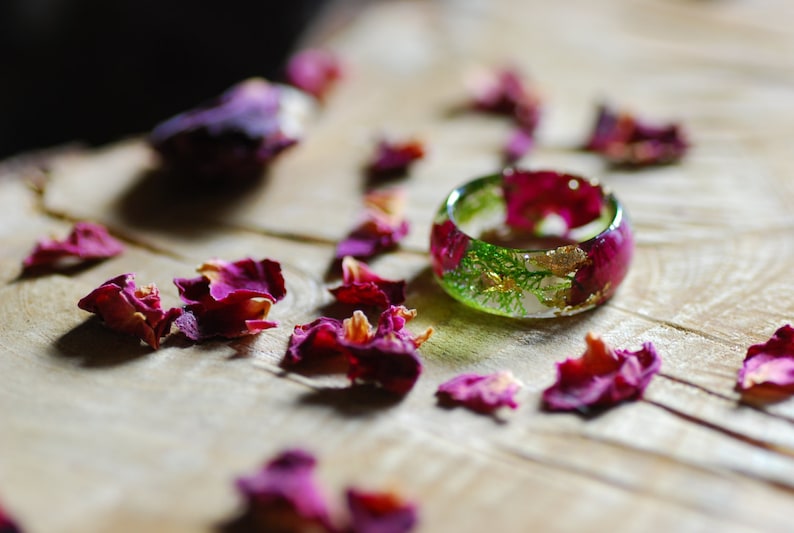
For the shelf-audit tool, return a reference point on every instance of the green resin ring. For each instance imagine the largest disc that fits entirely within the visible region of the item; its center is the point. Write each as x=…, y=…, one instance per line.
x=531, y=244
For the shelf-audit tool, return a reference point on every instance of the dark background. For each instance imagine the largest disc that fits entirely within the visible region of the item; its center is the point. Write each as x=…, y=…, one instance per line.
x=97, y=70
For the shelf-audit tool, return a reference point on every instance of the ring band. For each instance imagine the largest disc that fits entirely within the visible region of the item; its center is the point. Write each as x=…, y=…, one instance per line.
x=531, y=244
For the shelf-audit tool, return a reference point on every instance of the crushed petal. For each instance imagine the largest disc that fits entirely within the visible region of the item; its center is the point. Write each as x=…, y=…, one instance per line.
x=481, y=393
x=625, y=140
x=87, y=241
x=770, y=363
x=361, y=286
x=230, y=299
x=132, y=310
x=602, y=377
x=380, y=512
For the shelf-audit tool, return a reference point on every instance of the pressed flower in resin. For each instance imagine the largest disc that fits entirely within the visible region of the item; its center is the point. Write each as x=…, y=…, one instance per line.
x=602, y=377
x=770, y=364
x=230, y=299
x=86, y=242
x=625, y=140
x=284, y=497
x=132, y=310
x=481, y=393
x=380, y=512
x=381, y=227
x=361, y=286
x=314, y=71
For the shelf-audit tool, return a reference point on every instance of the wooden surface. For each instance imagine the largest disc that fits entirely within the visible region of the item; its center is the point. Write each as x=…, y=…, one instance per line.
x=98, y=433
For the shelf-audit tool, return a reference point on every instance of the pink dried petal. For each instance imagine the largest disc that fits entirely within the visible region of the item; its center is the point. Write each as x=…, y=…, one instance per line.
x=532, y=196
x=285, y=497
x=481, y=393
x=86, y=242
x=504, y=92
x=770, y=363
x=625, y=140
x=231, y=138
x=127, y=309
x=518, y=145
x=318, y=340
x=314, y=71
x=361, y=286
x=382, y=225
x=602, y=377
x=230, y=299
x=380, y=512
x=393, y=158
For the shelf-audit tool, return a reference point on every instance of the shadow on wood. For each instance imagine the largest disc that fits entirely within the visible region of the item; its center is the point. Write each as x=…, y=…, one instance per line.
x=92, y=345
x=355, y=401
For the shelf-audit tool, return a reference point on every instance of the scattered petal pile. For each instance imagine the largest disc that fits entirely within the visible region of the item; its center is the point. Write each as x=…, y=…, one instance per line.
x=284, y=496
x=386, y=355
x=770, y=364
x=232, y=138
x=481, y=393
x=624, y=140
x=361, y=286
x=602, y=377
x=314, y=71
x=381, y=228
x=86, y=242
x=129, y=309
x=230, y=299
x=394, y=158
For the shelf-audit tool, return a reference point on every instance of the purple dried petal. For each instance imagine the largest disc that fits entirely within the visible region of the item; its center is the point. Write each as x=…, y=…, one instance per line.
x=87, y=241
x=518, y=145
x=128, y=309
x=230, y=299
x=285, y=497
x=314, y=71
x=392, y=158
x=481, y=393
x=317, y=340
x=770, y=363
x=602, y=377
x=381, y=228
x=380, y=512
x=231, y=138
x=626, y=141
x=361, y=286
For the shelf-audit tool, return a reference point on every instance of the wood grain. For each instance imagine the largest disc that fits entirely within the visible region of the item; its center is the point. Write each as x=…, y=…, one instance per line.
x=98, y=433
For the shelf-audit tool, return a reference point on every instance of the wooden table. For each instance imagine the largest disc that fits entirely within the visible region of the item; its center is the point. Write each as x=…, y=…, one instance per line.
x=99, y=433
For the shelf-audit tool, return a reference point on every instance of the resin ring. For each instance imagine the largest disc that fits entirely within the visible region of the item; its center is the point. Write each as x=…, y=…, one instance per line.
x=531, y=244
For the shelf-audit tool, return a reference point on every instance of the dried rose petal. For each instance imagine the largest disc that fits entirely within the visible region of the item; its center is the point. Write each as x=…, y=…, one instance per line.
x=382, y=225
x=482, y=393
x=86, y=242
x=602, y=377
x=230, y=299
x=361, y=286
x=314, y=71
x=231, y=138
x=394, y=158
x=770, y=364
x=7, y=524
x=385, y=355
x=503, y=92
x=518, y=145
x=131, y=310
x=285, y=497
x=380, y=512
x=626, y=141
x=449, y=245
x=531, y=196
x=316, y=340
